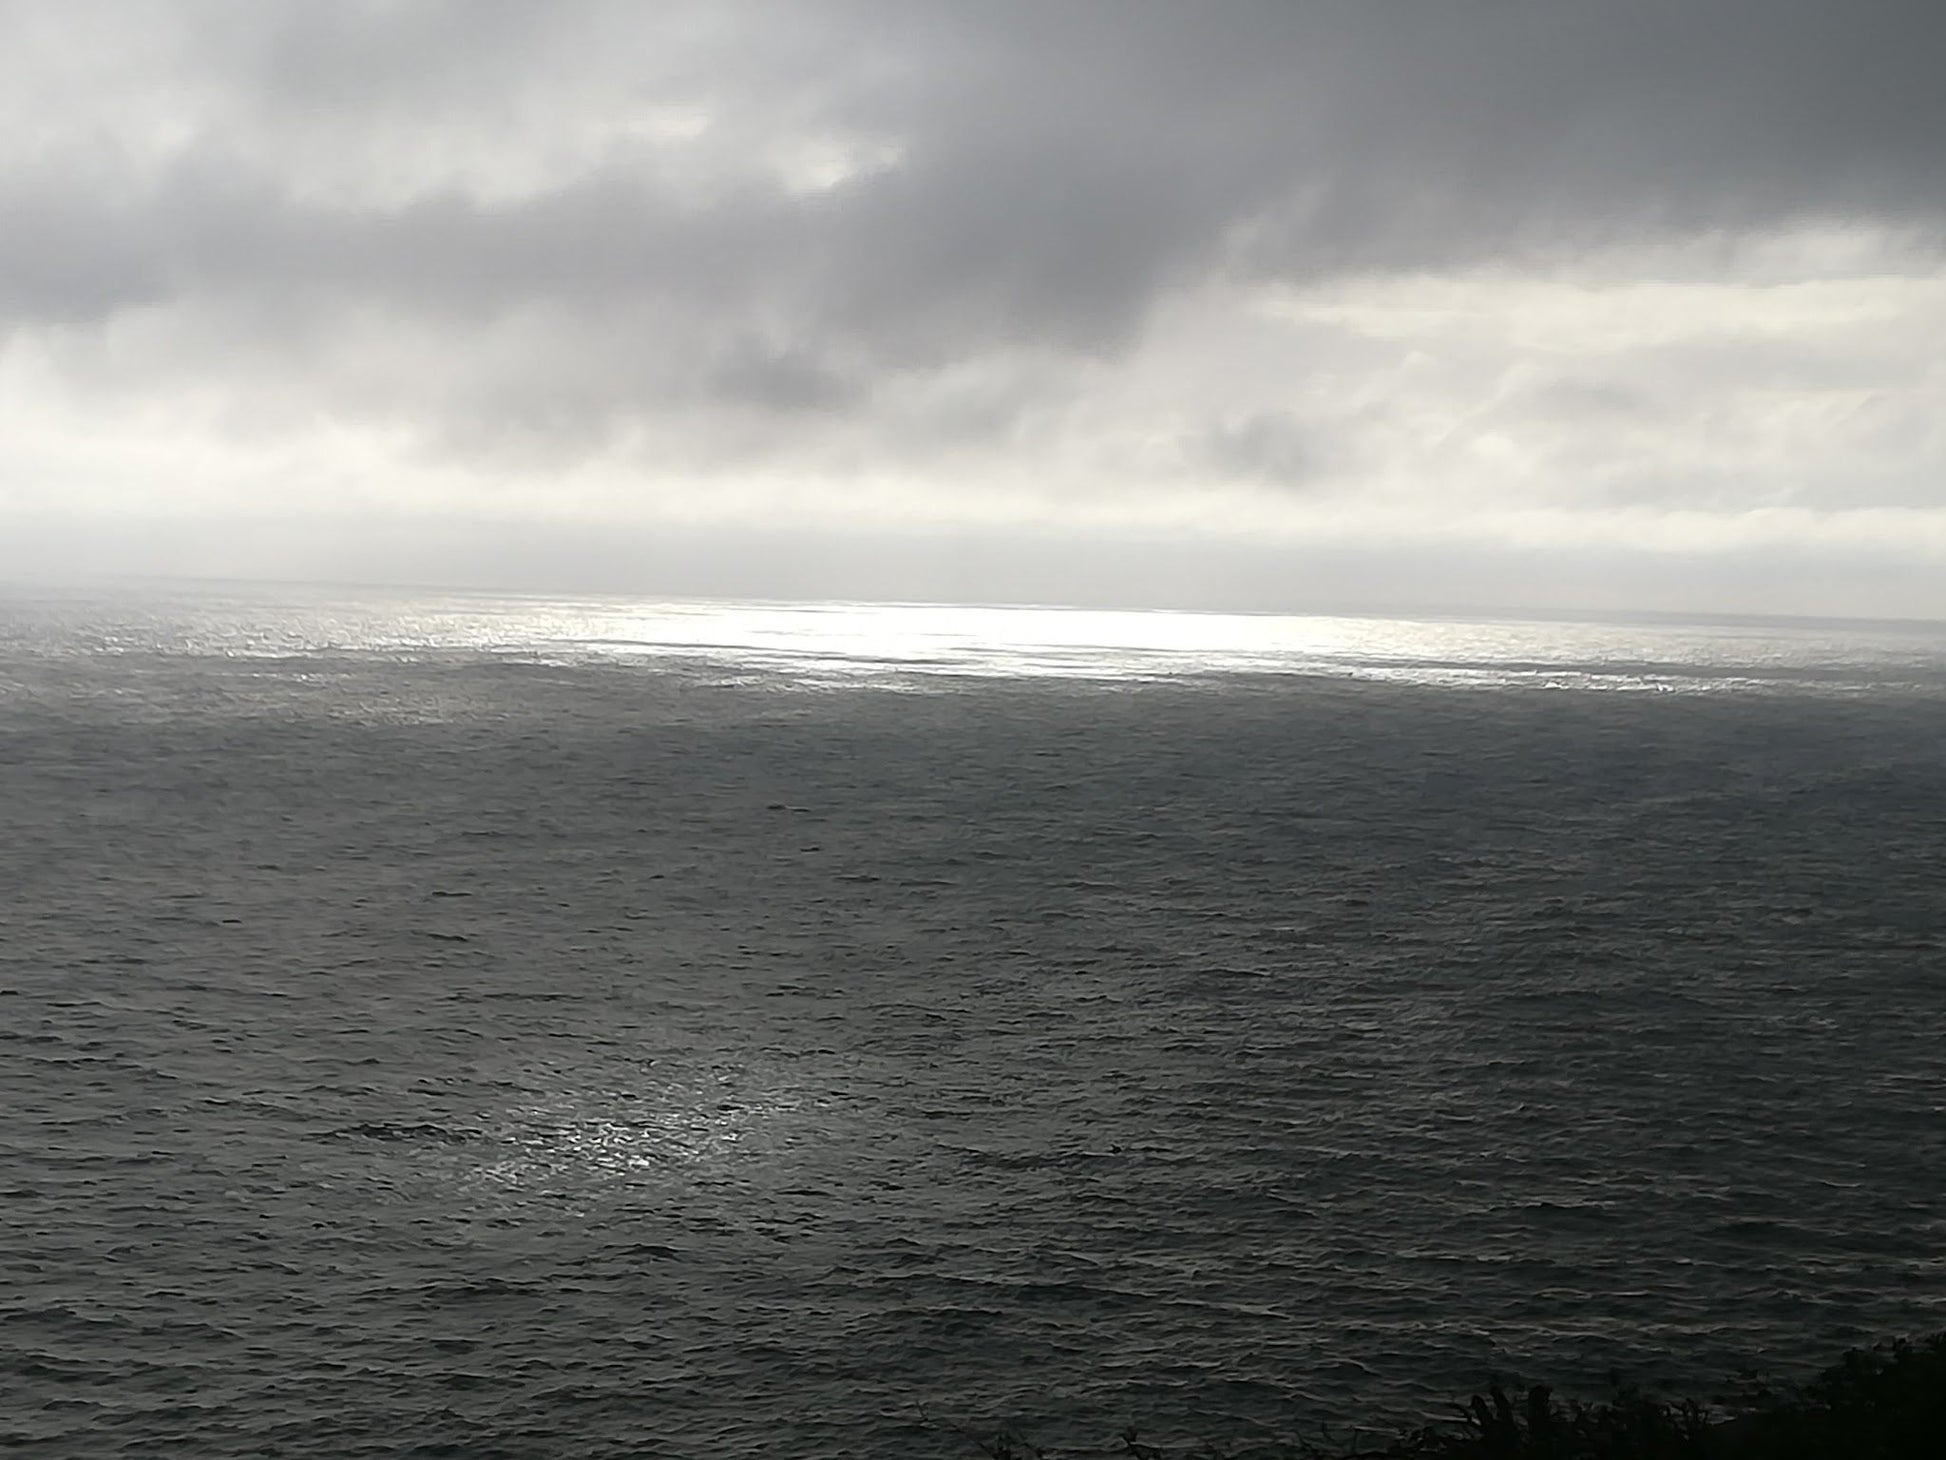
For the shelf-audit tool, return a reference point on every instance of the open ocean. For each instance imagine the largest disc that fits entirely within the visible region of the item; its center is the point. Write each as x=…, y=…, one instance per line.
x=443, y=1024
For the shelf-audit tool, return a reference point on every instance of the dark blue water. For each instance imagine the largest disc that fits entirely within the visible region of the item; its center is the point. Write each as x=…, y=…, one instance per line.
x=430, y=1025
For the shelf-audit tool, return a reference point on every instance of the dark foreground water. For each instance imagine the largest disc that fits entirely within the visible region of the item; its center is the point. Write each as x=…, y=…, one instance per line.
x=490, y=1027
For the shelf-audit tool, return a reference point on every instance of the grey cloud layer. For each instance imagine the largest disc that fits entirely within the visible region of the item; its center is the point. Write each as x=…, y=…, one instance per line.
x=1036, y=178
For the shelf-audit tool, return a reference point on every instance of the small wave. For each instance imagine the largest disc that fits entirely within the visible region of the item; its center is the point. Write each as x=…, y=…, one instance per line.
x=410, y=1131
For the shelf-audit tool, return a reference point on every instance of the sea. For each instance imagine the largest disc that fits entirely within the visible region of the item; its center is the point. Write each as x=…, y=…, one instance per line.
x=454, y=1024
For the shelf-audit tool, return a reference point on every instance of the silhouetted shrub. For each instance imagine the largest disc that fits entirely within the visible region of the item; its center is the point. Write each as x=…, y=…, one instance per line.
x=1883, y=1403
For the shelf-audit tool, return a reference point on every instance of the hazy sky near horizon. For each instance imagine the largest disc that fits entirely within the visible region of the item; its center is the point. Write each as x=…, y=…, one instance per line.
x=1618, y=303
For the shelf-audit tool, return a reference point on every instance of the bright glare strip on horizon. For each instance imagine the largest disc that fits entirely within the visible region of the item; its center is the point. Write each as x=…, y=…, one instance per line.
x=838, y=643
x=1083, y=642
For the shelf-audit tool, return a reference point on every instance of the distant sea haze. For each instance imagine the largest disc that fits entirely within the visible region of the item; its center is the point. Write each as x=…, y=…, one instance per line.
x=601, y=1028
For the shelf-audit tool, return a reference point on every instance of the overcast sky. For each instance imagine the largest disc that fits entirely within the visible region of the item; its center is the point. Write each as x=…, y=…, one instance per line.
x=1574, y=303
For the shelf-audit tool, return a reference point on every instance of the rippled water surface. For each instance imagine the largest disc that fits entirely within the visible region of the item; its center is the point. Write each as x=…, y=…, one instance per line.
x=547, y=1028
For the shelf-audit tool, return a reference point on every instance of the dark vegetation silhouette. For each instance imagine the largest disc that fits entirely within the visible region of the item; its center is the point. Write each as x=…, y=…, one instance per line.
x=1883, y=1403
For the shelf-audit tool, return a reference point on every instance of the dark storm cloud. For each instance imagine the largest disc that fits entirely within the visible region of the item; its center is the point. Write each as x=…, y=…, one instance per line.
x=1059, y=161
x=1048, y=172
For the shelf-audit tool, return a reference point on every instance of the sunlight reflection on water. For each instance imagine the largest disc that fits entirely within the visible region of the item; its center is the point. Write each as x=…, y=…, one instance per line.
x=672, y=1126
x=833, y=644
